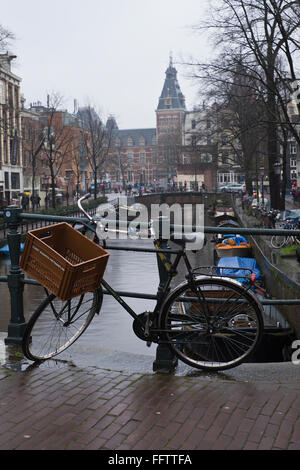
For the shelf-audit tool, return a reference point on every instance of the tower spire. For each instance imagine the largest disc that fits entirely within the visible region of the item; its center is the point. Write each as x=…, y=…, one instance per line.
x=171, y=96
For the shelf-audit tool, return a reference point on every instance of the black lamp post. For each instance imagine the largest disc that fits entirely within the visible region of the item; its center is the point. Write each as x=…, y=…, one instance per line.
x=262, y=184
x=277, y=171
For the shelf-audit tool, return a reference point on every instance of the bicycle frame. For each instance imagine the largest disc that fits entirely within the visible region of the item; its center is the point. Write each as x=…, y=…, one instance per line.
x=171, y=269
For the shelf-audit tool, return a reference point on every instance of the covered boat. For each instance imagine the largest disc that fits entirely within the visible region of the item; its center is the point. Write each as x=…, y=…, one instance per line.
x=228, y=222
x=5, y=249
x=241, y=269
x=233, y=245
x=224, y=214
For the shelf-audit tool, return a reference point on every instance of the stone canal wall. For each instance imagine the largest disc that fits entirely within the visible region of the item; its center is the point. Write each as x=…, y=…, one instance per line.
x=281, y=275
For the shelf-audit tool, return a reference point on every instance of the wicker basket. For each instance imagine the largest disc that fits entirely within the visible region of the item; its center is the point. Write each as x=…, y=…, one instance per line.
x=63, y=260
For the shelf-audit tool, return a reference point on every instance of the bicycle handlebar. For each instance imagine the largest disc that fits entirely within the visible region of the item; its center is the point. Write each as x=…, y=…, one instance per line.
x=80, y=200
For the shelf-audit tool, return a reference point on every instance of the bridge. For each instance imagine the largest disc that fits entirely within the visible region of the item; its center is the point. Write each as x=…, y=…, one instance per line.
x=287, y=291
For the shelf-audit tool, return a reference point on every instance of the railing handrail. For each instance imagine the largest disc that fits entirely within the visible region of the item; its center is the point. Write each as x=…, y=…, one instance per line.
x=18, y=216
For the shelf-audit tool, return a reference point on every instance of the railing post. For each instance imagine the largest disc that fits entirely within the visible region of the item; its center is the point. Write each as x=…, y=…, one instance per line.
x=17, y=323
x=166, y=360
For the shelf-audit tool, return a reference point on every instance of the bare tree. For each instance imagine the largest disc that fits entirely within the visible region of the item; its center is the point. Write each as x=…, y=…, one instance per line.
x=265, y=34
x=121, y=163
x=6, y=37
x=33, y=144
x=58, y=140
x=97, y=141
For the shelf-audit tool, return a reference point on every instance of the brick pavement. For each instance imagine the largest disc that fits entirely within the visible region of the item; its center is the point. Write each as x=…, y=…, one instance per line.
x=57, y=407
x=63, y=407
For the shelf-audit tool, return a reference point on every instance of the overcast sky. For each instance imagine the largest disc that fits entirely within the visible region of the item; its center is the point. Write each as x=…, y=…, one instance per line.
x=111, y=54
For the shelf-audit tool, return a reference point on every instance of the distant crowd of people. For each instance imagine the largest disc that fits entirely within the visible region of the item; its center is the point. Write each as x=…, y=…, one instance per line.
x=35, y=202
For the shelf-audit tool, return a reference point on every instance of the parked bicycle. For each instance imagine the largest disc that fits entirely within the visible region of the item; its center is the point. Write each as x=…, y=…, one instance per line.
x=209, y=321
x=279, y=241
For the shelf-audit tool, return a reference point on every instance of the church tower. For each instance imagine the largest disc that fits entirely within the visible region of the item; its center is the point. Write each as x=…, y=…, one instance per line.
x=171, y=109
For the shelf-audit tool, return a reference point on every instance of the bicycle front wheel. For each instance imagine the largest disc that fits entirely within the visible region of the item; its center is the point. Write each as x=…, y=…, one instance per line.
x=212, y=323
x=56, y=324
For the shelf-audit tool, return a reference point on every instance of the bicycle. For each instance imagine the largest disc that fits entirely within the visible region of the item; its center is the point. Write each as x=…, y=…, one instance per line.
x=279, y=241
x=209, y=321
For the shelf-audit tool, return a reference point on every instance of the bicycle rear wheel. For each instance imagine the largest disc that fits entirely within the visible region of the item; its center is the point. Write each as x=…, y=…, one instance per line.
x=212, y=323
x=56, y=324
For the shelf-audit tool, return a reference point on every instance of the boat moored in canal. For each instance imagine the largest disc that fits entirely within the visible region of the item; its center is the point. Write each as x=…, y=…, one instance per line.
x=233, y=246
x=4, y=250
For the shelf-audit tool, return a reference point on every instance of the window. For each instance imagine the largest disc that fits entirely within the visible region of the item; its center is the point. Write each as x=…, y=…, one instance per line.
x=25, y=158
x=15, y=180
x=186, y=159
x=6, y=179
x=293, y=162
x=193, y=124
x=154, y=157
x=224, y=139
x=10, y=95
x=142, y=157
x=130, y=176
x=44, y=120
x=130, y=142
x=142, y=141
x=130, y=157
x=293, y=148
x=206, y=157
x=225, y=156
x=153, y=142
x=194, y=140
x=2, y=92
x=117, y=142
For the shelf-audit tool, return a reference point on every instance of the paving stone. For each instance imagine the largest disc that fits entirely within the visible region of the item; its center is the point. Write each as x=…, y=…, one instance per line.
x=97, y=409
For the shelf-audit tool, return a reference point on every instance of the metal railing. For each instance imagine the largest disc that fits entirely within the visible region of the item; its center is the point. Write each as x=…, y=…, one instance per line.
x=13, y=216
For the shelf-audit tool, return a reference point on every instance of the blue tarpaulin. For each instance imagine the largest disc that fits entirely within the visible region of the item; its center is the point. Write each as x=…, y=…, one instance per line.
x=236, y=266
x=5, y=249
x=238, y=239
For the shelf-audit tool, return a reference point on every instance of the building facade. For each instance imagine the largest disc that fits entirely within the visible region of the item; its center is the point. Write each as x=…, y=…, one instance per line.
x=11, y=173
x=42, y=148
x=170, y=155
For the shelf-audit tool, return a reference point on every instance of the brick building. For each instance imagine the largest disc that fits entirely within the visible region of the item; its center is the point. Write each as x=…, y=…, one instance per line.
x=163, y=156
x=55, y=165
x=179, y=152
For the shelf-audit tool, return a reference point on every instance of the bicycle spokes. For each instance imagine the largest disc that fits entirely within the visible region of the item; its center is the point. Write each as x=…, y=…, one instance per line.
x=215, y=324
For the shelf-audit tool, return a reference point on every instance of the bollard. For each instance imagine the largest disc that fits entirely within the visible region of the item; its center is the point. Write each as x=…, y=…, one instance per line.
x=15, y=278
x=166, y=361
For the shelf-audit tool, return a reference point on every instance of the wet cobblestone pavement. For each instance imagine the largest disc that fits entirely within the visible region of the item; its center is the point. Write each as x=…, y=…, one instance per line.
x=57, y=406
